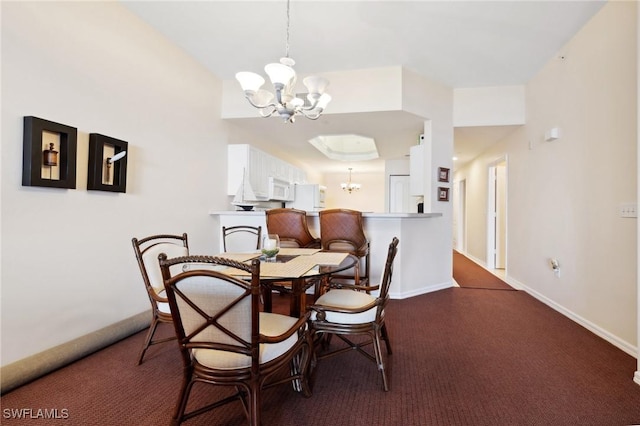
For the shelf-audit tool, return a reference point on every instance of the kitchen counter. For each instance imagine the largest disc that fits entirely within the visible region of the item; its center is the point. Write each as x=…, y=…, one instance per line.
x=314, y=214
x=423, y=263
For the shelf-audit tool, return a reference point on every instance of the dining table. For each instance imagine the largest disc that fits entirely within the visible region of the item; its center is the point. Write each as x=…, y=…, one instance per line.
x=296, y=266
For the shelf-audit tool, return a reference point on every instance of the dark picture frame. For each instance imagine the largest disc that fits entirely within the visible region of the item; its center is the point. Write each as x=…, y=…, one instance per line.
x=443, y=194
x=443, y=174
x=101, y=175
x=33, y=151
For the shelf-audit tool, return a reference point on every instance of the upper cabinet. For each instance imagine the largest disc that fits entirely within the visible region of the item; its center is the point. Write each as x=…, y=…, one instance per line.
x=258, y=167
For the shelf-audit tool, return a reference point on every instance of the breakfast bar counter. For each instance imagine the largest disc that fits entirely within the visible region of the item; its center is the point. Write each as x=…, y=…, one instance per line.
x=423, y=263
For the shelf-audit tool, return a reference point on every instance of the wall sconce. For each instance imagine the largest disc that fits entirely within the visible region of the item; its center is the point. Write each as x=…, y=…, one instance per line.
x=107, y=164
x=50, y=158
x=61, y=153
x=552, y=134
x=109, y=161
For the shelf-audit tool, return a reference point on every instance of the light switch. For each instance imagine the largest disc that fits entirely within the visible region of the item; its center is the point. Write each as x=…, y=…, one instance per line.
x=629, y=210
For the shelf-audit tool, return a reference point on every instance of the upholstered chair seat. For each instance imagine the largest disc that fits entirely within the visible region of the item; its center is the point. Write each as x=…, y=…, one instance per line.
x=349, y=299
x=270, y=325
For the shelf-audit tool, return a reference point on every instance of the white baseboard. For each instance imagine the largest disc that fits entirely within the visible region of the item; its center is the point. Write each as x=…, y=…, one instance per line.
x=611, y=338
x=423, y=290
x=30, y=368
x=636, y=377
x=614, y=340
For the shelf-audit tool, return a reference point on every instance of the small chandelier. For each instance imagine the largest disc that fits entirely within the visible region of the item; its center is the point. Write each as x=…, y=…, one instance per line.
x=287, y=103
x=350, y=186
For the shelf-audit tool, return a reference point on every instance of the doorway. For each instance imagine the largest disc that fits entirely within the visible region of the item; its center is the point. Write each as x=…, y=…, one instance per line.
x=399, y=195
x=497, y=215
x=459, y=215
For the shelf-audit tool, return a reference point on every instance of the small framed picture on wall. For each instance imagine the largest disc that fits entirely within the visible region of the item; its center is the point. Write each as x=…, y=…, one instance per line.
x=443, y=174
x=443, y=194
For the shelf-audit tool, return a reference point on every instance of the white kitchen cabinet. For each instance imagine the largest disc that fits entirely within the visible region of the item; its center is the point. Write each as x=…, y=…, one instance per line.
x=258, y=167
x=297, y=176
x=253, y=163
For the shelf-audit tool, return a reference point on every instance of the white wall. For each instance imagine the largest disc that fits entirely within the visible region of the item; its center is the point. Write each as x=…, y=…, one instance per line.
x=67, y=263
x=489, y=106
x=370, y=198
x=637, y=374
x=564, y=195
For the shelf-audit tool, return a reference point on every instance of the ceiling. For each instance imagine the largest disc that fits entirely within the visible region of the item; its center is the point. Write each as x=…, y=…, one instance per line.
x=458, y=43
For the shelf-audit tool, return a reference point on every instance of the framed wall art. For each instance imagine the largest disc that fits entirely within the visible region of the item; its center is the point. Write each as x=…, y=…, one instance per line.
x=443, y=194
x=443, y=174
x=107, y=164
x=48, y=154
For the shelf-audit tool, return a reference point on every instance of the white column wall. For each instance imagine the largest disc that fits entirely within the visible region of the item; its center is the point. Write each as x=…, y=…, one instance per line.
x=637, y=374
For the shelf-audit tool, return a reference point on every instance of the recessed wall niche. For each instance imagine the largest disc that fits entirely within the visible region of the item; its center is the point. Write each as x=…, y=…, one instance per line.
x=48, y=154
x=107, y=164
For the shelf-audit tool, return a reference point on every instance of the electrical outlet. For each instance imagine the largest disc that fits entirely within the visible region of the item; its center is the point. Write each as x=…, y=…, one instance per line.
x=629, y=210
x=555, y=265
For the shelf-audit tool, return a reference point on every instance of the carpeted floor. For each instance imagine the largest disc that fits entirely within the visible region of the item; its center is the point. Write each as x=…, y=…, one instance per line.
x=459, y=358
x=469, y=274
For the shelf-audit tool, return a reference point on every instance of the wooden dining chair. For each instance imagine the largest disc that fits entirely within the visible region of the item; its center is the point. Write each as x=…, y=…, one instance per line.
x=226, y=341
x=291, y=227
x=147, y=251
x=343, y=230
x=293, y=231
x=351, y=311
x=241, y=238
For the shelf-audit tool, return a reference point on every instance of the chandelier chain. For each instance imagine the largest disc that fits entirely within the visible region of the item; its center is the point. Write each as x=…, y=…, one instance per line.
x=288, y=20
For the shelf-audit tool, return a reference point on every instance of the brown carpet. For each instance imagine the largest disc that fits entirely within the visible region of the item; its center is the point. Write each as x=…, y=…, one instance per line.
x=469, y=274
x=459, y=358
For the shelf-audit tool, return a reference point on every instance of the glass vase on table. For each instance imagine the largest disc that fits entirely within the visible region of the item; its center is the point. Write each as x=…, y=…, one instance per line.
x=270, y=247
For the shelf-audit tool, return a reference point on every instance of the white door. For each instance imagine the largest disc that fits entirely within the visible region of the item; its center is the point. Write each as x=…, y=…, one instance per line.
x=497, y=215
x=399, y=197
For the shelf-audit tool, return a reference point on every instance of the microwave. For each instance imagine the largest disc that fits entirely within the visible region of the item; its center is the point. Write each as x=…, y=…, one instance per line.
x=280, y=190
x=309, y=197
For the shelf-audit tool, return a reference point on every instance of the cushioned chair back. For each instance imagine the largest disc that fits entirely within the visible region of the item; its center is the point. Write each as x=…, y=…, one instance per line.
x=241, y=239
x=291, y=227
x=152, y=266
x=147, y=251
x=342, y=230
x=213, y=310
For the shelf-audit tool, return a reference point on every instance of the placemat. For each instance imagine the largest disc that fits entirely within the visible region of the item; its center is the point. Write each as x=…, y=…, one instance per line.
x=328, y=258
x=294, y=251
x=292, y=269
x=238, y=257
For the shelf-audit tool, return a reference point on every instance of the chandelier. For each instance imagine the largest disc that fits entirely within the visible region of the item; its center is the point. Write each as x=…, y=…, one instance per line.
x=350, y=186
x=286, y=102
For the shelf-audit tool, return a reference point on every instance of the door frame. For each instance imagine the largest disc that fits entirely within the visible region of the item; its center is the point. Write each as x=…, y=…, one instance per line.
x=460, y=215
x=494, y=241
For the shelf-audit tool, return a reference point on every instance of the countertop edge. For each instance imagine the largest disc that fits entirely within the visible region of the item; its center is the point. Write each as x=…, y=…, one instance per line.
x=364, y=214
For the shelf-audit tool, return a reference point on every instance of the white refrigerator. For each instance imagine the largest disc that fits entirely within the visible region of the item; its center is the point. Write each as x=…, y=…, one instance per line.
x=309, y=197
